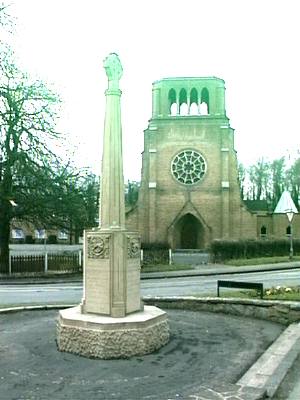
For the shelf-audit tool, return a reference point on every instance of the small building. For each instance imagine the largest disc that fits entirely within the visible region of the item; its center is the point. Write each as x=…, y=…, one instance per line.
x=22, y=232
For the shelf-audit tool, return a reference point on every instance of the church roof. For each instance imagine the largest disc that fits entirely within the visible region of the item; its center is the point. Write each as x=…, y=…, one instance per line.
x=258, y=205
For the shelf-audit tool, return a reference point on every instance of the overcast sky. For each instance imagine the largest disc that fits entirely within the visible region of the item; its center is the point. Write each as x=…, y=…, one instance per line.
x=252, y=45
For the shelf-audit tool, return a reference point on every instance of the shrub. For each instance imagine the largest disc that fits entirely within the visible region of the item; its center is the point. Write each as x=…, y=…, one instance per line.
x=39, y=241
x=29, y=239
x=17, y=241
x=52, y=239
x=222, y=250
x=155, y=253
x=155, y=246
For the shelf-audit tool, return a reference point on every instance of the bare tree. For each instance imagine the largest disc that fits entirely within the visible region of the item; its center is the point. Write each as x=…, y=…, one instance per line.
x=293, y=181
x=28, y=110
x=259, y=177
x=242, y=173
x=278, y=172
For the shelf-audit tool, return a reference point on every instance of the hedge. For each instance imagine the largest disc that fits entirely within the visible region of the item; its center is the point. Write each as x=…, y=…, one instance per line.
x=155, y=253
x=222, y=250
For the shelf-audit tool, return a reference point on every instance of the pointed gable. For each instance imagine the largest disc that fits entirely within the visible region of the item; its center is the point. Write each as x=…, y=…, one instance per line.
x=285, y=204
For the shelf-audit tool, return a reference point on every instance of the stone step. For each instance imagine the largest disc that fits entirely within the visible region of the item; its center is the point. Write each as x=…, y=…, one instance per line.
x=270, y=369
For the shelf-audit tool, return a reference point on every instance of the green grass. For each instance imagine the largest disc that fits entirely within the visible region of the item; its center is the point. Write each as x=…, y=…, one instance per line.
x=288, y=297
x=238, y=263
x=262, y=260
x=165, y=268
x=252, y=295
x=275, y=293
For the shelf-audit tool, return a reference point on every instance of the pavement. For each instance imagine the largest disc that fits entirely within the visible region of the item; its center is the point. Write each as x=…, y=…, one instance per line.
x=290, y=387
x=271, y=368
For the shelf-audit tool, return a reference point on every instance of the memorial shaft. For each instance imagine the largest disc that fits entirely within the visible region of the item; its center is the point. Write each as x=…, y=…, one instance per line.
x=112, y=254
x=112, y=207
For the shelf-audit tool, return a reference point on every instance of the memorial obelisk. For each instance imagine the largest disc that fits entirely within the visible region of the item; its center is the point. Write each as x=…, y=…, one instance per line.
x=111, y=321
x=114, y=291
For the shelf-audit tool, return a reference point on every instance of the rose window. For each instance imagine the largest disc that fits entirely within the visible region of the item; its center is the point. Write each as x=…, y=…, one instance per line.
x=188, y=167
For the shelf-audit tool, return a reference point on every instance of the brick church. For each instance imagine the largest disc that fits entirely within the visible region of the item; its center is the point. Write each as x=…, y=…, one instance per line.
x=190, y=192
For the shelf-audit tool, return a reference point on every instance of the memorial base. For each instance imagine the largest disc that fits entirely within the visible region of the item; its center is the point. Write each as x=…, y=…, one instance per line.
x=96, y=336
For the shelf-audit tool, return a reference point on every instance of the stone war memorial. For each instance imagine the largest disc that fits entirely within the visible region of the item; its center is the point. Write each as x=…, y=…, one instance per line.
x=111, y=321
x=220, y=348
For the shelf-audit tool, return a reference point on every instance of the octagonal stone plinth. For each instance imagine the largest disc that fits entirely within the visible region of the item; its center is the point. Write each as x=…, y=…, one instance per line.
x=96, y=336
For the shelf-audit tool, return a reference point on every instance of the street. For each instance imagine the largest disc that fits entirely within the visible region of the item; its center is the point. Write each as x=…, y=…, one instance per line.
x=71, y=293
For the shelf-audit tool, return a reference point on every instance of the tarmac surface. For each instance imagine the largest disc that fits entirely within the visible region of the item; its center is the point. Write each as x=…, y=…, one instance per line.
x=205, y=351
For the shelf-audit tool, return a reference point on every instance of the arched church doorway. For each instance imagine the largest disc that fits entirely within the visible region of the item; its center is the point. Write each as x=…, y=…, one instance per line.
x=189, y=233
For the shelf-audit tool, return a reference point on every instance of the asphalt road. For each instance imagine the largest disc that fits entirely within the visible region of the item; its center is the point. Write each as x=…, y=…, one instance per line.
x=71, y=293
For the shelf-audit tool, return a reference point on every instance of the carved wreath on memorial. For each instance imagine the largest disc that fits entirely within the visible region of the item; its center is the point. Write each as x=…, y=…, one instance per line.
x=98, y=247
x=188, y=167
x=133, y=247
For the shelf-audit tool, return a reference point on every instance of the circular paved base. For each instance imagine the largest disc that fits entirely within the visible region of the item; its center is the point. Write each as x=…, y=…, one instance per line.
x=95, y=336
x=204, y=349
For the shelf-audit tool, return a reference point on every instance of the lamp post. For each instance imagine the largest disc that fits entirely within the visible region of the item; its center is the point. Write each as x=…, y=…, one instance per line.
x=290, y=215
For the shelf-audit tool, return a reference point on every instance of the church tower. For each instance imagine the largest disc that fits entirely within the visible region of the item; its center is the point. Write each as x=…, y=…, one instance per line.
x=189, y=191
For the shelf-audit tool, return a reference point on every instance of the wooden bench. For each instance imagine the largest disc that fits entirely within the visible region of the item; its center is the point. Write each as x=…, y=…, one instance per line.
x=241, y=285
